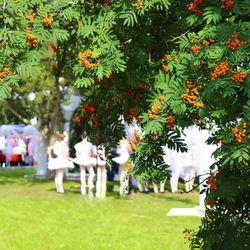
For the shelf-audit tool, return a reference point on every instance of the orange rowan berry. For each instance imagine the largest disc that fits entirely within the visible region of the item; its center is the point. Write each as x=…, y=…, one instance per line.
x=227, y=4
x=220, y=70
x=47, y=21
x=7, y=70
x=53, y=65
x=151, y=115
x=31, y=16
x=191, y=95
x=213, y=186
x=210, y=203
x=234, y=42
x=137, y=5
x=161, y=98
x=211, y=180
x=196, y=49
x=193, y=7
x=198, y=2
x=84, y=58
x=32, y=40
x=205, y=42
x=137, y=135
x=133, y=111
x=239, y=76
x=132, y=145
x=128, y=165
x=240, y=132
x=170, y=120
x=4, y=73
x=167, y=56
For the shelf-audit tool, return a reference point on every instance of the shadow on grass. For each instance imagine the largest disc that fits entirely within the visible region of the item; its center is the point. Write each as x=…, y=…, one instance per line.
x=174, y=197
x=17, y=176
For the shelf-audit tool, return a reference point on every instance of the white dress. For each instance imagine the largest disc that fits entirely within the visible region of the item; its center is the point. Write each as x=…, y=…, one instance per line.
x=123, y=157
x=61, y=151
x=100, y=159
x=83, y=149
x=179, y=161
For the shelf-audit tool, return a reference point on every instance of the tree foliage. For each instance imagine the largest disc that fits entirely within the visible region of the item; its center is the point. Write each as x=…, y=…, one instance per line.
x=153, y=62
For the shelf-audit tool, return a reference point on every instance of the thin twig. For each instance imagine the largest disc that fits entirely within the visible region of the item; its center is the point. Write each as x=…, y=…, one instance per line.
x=186, y=192
x=24, y=120
x=178, y=37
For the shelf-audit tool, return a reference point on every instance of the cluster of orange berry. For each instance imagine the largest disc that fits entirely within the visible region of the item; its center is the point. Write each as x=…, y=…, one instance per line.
x=161, y=98
x=194, y=7
x=239, y=76
x=47, y=21
x=96, y=121
x=132, y=144
x=133, y=111
x=227, y=4
x=137, y=5
x=154, y=109
x=234, y=42
x=240, y=132
x=54, y=48
x=32, y=40
x=196, y=49
x=128, y=166
x=4, y=73
x=170, y=120
x=137, y=135
x=191, y=95
x=31, y=16
x=164, y=65
x=211, y=181
x=210, y=202
x=79, y=119
x=220, y=70
x=84, y=58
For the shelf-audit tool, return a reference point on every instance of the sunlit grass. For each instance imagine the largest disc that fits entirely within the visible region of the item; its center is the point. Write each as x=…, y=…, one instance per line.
x=34, y=216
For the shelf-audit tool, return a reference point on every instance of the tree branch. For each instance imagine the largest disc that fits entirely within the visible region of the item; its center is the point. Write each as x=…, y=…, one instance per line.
x=24, y=120
x=178, y=37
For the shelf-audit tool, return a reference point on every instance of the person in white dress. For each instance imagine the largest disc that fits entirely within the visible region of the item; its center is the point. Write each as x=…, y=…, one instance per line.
x=189, y=159
x=162, y=187
x=172, y=158
x=122, y=160
x=101, y=172
x=182, y=164
x=86, y=162
x=60, y=161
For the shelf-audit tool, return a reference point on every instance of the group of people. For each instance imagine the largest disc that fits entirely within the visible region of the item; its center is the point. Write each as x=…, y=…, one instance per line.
x=88, y=157
x=20, y=146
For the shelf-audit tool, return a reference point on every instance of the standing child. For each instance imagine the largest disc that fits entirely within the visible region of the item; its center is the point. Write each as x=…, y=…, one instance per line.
x=122, y=161
x=101, y=179
x=60, y=161
x=85, y=161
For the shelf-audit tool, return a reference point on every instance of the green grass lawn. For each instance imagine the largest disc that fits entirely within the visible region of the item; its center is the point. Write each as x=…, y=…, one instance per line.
x=33, y=216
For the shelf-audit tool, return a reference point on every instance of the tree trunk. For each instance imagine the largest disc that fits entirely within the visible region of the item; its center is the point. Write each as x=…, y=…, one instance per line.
x=53, y=122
